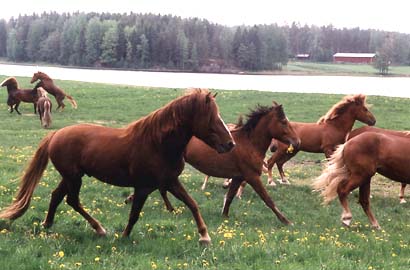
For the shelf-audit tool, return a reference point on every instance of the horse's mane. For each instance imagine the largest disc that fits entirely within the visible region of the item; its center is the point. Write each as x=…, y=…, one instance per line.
x=160, y=123
x=10, y=81
x=340, y=107
x=256, y=114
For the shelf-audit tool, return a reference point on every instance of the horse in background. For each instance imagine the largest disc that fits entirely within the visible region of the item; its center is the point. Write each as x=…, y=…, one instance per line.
x=353, y=165
x=17, y=95
x=48, y=84
x=44, y=106
x=245, y=161
x=324, y=135
x=146, y=155
x=405, y=134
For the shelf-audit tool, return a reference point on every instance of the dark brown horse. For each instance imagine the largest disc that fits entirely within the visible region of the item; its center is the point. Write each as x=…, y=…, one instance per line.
x=44, y=107
x=146, y=155
x=405, y=134
x=353, y=165
x=245, y=162
x=323, y=136
x=48, y=84
x=16, y=95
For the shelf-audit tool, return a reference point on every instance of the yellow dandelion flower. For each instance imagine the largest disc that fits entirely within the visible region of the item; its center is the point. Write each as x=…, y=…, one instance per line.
x=228, y=235
x=78, y=264
x=154, y=265
x=61, y=254
x=97, y=259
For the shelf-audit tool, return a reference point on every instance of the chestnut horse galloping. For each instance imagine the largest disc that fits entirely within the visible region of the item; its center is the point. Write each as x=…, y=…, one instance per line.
x=405, y=134
x=353, y=165
x=48, y=84
x=245, y=161
x=16, y=95
x=44, y=106
x=323, y=136
x=146, y=155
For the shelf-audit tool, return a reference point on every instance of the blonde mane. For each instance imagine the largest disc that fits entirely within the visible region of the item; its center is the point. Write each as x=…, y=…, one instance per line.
x=340, y=107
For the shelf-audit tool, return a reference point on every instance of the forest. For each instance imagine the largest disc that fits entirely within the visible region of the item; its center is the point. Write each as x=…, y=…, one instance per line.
x=166, y=42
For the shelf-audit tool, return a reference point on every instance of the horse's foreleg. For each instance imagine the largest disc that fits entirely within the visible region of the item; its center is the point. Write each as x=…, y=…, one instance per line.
x=364, y=195
x=401, y=196
x=282, y=173
x=35, y=108
x=139, y=198
x=16, y=108
x=233, y=189
x=73, y=186
x=261, y=191
x=271, y=163
x=180, y=193
x=56, y=197
x=205, y=182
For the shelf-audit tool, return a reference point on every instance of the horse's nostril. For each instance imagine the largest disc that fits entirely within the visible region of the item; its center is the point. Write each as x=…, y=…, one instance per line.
x=231, y=144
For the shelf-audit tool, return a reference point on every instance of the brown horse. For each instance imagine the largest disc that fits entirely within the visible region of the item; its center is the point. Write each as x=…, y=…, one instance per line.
x=16, y=95
x=146, y=155
x=48, y=84
x=324, y=135
x=44, y=106
x=405, y=134
x=244, y=163
x=354, y=163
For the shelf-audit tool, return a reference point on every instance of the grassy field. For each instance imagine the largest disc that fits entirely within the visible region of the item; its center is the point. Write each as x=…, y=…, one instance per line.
x=252, y=238
x=299, y=67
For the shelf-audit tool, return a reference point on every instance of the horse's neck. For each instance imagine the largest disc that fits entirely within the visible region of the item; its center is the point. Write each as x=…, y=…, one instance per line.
x=10, y=89
x=260, y=137
x=343, y=122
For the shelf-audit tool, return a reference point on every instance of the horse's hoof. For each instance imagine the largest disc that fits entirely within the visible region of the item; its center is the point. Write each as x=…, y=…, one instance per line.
x=272, y=183
x=101, y=232
x=205, y=241
x=46, y=224
x=403, y=201
x=346, y=222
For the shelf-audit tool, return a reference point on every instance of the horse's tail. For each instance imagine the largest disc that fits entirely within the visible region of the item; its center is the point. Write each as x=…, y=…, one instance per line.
x=334, y=173
x=29, y=181
x=72, y=101
x=47, y=114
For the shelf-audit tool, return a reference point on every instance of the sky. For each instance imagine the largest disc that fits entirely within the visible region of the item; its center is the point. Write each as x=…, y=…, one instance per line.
x=389, y=15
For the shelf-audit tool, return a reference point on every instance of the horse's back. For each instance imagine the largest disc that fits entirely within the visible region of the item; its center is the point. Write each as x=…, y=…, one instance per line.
x=385, y=153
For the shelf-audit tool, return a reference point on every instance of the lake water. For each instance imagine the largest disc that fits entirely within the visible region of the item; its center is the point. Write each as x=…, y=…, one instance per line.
x=391, y=86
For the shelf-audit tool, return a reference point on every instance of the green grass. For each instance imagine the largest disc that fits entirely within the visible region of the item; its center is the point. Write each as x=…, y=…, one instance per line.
x=252, y=238
x=313, y=68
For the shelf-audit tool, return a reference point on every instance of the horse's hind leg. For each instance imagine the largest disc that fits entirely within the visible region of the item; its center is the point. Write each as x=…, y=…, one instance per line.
x=73, y=186
x=364, y=195
x=180, y=193
x=343, y=190
x=17, y=107
x=205, y=182
x=401, y=196
x=56, y=197
x=233, y=189
x=139, y=198
x=168, y=204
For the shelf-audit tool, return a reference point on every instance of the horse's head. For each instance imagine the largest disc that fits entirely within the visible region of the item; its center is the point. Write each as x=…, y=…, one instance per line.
x=280, y=128
x=209, y=126
x=36, y=76
x=11, y=83
x=41, y=92
x=361, y=110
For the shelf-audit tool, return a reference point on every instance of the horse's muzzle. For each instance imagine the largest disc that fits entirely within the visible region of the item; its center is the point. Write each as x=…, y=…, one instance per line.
x=225, y=147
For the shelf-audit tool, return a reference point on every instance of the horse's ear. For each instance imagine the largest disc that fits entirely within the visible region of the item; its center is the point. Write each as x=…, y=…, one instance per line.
x=208, y=97
x=275, y=104
x=215, y=94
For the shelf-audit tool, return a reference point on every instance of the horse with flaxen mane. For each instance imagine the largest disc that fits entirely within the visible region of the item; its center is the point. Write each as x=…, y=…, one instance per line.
x=405, y=134
x=245, y=161
x=324, y=135
x=48, y=84
x=16, y=95
x=44, y=106
x=353, y=165
x=146, y=155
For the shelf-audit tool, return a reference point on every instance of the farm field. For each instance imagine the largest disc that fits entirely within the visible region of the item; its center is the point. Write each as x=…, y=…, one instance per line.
x=251, y=238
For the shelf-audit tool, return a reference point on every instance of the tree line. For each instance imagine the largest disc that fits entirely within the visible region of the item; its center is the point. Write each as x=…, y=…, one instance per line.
x=148, y=41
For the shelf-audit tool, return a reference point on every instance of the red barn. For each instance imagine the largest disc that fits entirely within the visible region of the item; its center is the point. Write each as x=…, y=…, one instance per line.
x=364, y=58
